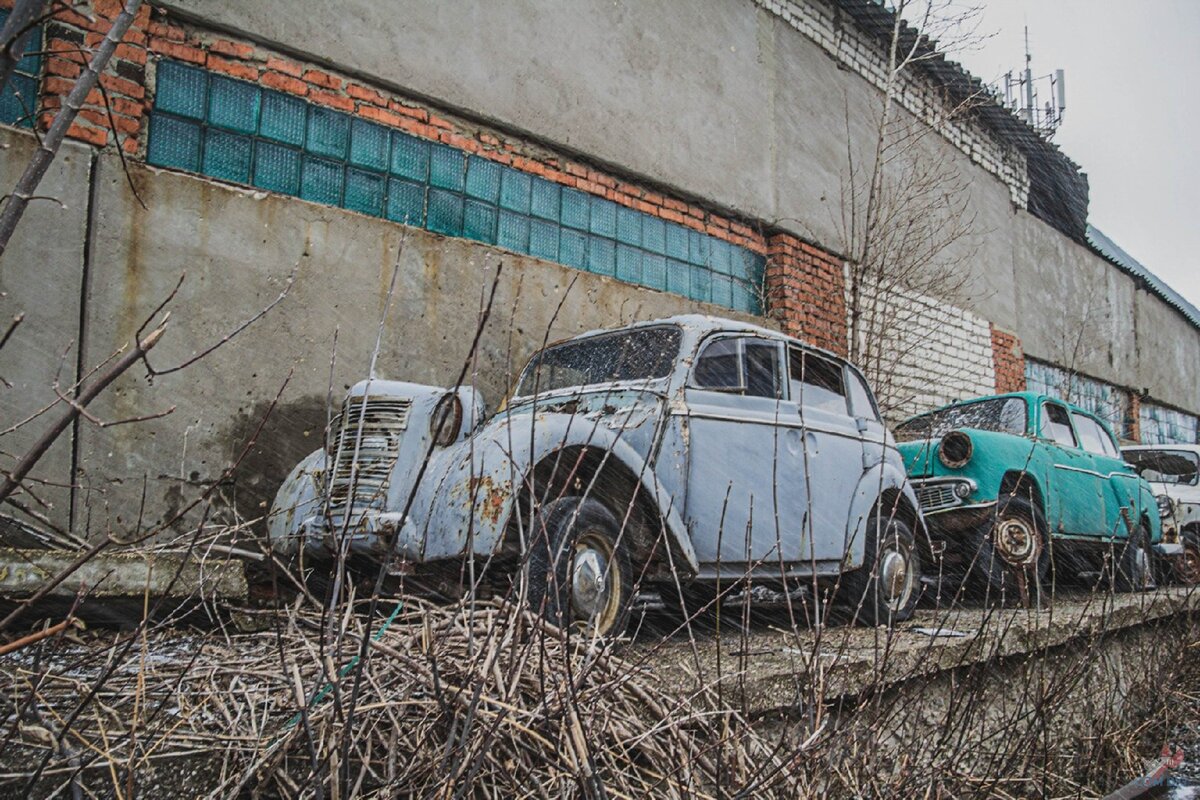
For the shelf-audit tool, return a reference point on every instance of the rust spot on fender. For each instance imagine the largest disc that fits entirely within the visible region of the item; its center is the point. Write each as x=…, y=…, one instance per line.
x=489, y=497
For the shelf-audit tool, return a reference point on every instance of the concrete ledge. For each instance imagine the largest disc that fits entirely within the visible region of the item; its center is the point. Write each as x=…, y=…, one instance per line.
x=771, y=669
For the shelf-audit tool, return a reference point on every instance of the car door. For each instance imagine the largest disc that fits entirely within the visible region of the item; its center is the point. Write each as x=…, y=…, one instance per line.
x=832, y=454
x=1076, y=487
x=745, y=499
x=1122, y=487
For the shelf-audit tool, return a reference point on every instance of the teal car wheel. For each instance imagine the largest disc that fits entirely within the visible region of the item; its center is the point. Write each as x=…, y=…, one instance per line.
x=1011, y=557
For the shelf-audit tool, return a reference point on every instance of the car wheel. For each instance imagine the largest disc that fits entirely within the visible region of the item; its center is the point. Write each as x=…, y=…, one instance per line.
x=1187, y=564
x=1135, y=562
x=579, y=571
x=885, y=589
x=1011, y=558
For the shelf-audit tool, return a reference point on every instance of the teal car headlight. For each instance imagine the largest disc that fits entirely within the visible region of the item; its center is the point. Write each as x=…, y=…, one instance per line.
x=955, y=450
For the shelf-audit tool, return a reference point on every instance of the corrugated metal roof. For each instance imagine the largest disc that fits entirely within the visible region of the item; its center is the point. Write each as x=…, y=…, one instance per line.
x=1113, y=252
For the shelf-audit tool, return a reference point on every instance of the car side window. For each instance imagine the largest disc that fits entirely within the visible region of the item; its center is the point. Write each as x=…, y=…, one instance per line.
x=861, y=405
x=743, y=365
x=1056, y=425
x=816, y=382
x=1091, y=436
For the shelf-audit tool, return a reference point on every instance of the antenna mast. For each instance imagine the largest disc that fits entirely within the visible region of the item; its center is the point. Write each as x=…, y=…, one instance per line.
x=1021, y=95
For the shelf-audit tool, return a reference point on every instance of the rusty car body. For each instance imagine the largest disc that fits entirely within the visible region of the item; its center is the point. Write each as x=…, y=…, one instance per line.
x=677, y=455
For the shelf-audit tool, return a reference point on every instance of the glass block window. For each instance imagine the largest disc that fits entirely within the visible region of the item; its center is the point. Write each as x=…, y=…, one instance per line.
x=1161, y=425
x=239, y=132
x=1110, y=403
x=18, y=100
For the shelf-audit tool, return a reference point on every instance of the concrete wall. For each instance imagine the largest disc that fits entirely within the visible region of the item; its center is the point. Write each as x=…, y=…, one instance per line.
x=736, y=107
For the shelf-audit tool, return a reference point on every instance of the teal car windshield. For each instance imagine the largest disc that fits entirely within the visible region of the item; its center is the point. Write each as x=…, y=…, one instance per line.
x=1000, y=414
x=640, y=354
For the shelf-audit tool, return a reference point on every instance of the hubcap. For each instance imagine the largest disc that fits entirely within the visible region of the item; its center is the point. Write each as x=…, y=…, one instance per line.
x=895, y=577
x=1016, y=542
x=594, y=583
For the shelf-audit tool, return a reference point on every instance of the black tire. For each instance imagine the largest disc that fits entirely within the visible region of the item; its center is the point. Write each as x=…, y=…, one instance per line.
x=564, y=531
x=1011, y=554
x=885, y=589
x=1134, y=562
x=1186, y=567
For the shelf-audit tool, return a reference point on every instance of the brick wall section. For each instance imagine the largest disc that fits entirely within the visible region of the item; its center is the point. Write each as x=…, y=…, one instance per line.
x=805, y=289
x=1009, y=360
x=1135, y=416
x=71, y=36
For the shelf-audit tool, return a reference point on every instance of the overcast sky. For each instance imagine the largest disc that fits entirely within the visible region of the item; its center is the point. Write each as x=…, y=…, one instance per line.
x=1133, y=113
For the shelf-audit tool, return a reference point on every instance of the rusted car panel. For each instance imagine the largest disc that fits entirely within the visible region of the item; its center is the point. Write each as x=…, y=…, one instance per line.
x=730, y=451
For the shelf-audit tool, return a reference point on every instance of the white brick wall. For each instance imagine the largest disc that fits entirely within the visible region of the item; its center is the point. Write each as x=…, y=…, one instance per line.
x=815, y=19
x=929, y=352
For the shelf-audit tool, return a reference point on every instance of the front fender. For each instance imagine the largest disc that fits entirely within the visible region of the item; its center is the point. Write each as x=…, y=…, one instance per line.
x=889, y=475
x=298, y=499
x=467, y=500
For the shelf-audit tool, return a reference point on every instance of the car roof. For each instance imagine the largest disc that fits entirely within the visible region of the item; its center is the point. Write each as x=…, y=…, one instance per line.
x=704, y=324
x=1029, y=397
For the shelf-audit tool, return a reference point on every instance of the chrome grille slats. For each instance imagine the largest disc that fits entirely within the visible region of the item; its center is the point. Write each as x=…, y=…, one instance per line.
x=382, y=422
x=936, y=496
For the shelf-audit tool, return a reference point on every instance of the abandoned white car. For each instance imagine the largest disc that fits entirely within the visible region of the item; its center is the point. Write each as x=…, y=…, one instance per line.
x=679, y=455
x=1173, y=472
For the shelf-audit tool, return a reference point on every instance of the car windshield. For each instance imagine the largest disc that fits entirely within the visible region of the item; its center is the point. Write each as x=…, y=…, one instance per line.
x=640, y=354
x=1002, y=415
x=1165, y=466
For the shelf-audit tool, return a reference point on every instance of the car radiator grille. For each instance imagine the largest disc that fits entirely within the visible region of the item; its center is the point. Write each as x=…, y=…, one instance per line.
x=936, y=496
x=363, y=481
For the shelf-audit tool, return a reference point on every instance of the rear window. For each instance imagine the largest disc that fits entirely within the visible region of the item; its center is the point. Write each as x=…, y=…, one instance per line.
x=1177, y=467
x=1002, y=415
x=1093, y=437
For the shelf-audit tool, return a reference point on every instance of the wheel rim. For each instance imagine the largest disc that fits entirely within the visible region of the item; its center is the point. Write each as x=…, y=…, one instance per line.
x=1142, y=567
x=595, y=583
x=1187, y=569
x=1016, y=542
x=896, y=577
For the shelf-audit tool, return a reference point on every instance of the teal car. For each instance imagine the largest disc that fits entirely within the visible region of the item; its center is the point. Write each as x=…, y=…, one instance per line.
x=1016, y=485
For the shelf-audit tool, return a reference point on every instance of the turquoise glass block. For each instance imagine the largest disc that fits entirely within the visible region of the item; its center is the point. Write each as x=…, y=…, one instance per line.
x=18, y=101
x=744, y=264
x=721, y=253
x=406, y=202
x=699, y=248
x=410, y=157
x=233, y=104
x=602, y=255
x=515, y=190
x=677, y=242
x=328, y=132
x=543, y=240
x=227, y=156
x=483, y=179
x=629, y=263
x=700, y=287
x=283, y=118
x=181, y=90
x=722, y=290
x=174, y=143
x=445, y=212
x=679, y=277
x=604, y=217
x=277, y=168
x=629, y=226
x=576, y=209
x=654, y=271
x=446, y=167
x=744, y=298
x=546, y=199
x=479, y=221
x=364, y=192
x=654, y=234
x=514, y=232
x=32, y=62
x=321, y=181
x=572, y=248
x=369, y=145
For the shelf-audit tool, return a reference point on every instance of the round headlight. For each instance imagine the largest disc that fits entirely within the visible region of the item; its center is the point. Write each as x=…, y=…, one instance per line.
x=955, y=449
x=446, y=422
x=1165, y=507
